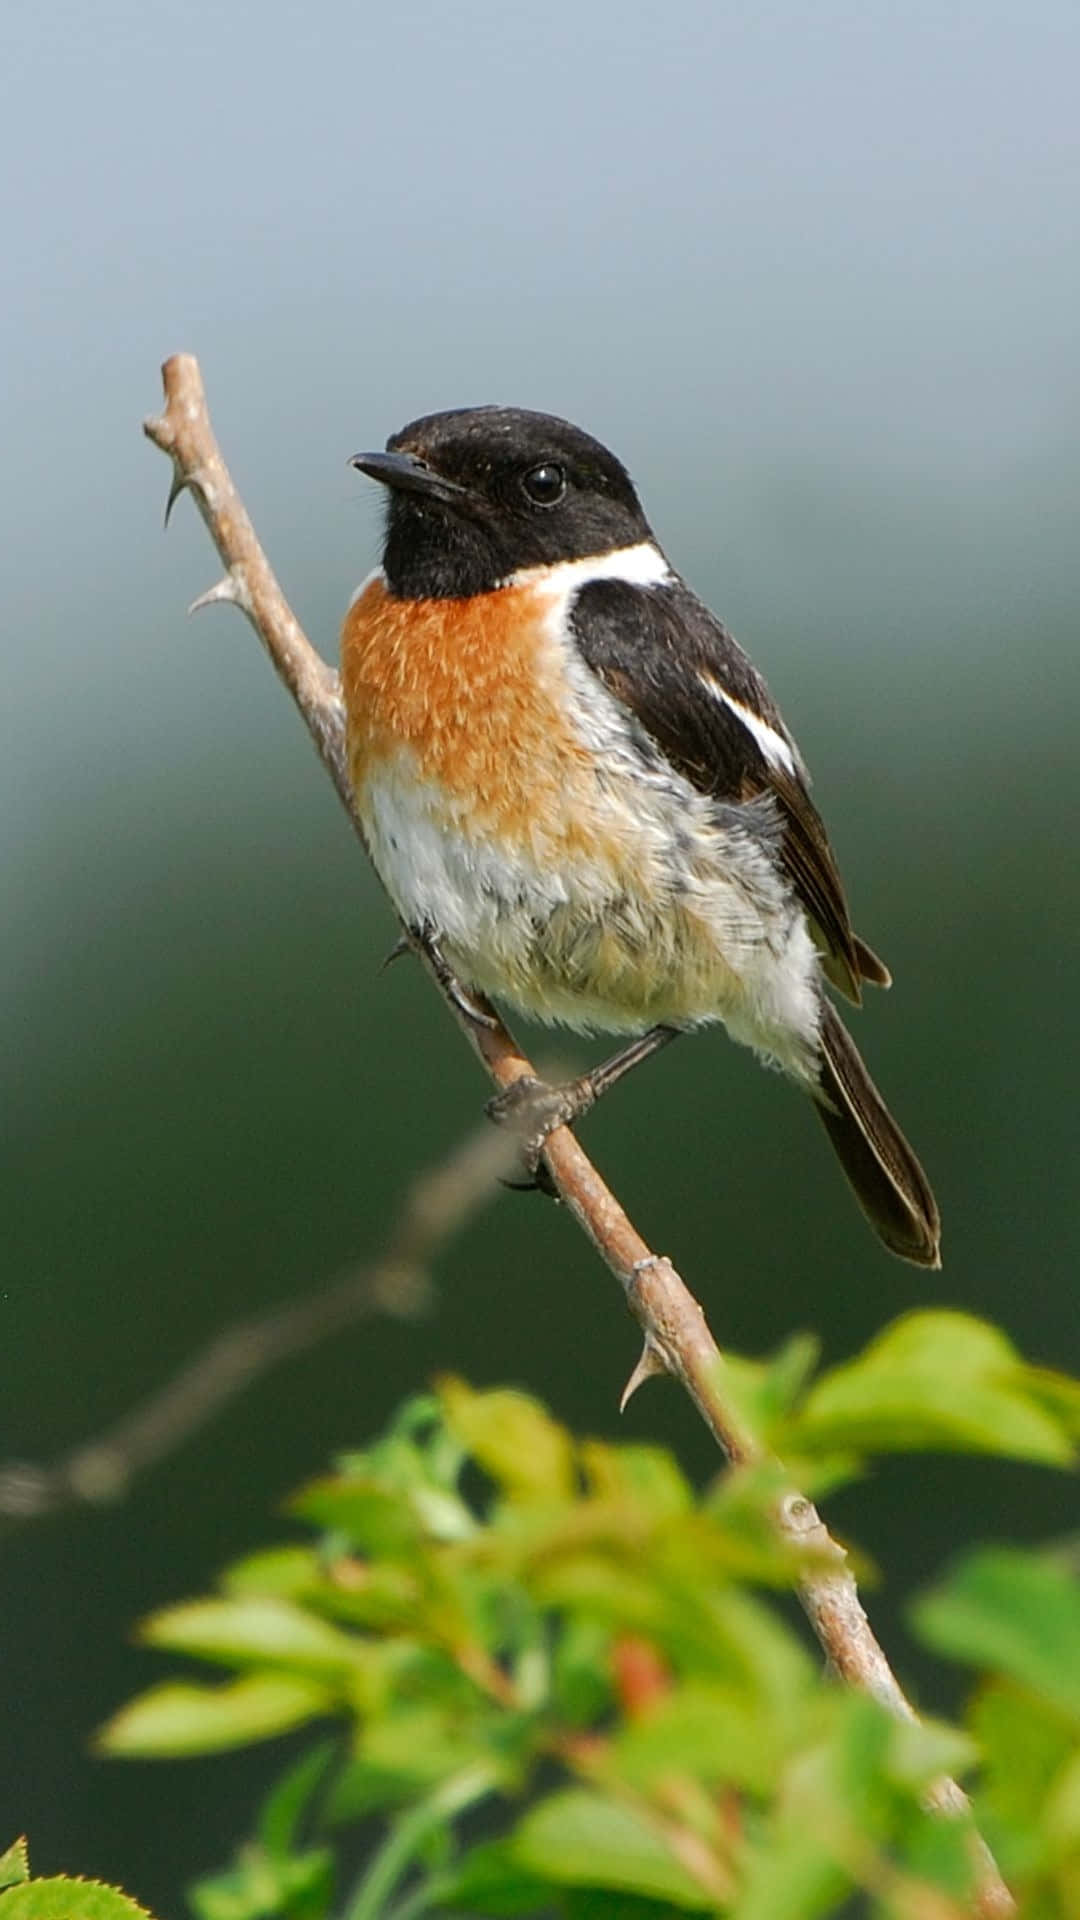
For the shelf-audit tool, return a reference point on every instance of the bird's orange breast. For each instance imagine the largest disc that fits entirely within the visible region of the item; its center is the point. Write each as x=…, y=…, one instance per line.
x=503, y=807
x=475, y=690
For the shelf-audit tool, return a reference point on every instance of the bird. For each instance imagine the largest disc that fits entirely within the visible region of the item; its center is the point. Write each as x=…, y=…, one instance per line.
x=580, y=795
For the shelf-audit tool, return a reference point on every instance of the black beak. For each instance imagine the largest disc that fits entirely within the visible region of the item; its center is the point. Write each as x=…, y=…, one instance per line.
x=406, y=473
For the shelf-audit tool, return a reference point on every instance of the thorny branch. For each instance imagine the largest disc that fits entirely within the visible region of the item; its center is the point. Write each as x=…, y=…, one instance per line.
x=676, y=1338
x=437, y=1205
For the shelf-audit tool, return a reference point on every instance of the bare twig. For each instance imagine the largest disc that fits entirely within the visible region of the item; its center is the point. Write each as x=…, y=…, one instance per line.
x=100, y=1470
x=676, y=1338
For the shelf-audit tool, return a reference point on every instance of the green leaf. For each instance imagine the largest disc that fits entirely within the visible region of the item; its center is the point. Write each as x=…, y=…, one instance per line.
x=941, y=1851
x=409, y=1751
x=1062, y=1816
x=735, y=1531
x=724, y=1632
x=418, y=1461
x=14, y=1864
x=765, y=1392
x=257, y=1631
x=1012, y=1613
x=383, y=1595
x=1059, y=1393
x=581, y=1671
x=792, y=1876
x=932, y=1380
x=708, y=1731
x=596, y=1903
x=179, y=1718
x=514, y=1439
x=420, y=1830
x=599, y=1587
x=833, y=1794
x=581, y=1838
x=648, y=1476
x=257, y=1887
x=749, y=1645
x=288, y=1801
x=918, y=1752
x=62, y=1899
x=1025, y=1744
x=376, y=1519
x=490, y=1880
x=285, y=1572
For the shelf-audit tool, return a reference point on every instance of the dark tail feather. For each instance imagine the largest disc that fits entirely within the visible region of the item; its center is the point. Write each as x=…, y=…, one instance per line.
x=889, y=1183
x=870, y=966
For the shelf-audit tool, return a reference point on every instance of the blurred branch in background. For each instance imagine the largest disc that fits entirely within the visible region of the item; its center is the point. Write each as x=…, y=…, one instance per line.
x=676, y=1338
x=437, y=1206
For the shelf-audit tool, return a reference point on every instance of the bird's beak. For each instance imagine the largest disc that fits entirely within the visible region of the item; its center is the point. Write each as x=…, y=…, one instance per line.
x=407, y=474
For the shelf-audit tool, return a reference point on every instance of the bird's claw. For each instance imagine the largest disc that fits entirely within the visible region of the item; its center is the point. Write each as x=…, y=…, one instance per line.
x=534, y=1109
x=538, y=1182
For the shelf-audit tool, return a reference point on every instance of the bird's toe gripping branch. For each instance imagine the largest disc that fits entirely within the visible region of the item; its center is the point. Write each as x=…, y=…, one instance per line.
x=534, y=1108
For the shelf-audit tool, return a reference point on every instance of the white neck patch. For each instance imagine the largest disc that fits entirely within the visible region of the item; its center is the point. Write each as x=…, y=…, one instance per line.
x=375, y=574
x=640, y=566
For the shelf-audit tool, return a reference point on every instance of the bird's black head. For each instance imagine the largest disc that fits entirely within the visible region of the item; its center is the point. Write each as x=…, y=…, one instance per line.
x=478, y=494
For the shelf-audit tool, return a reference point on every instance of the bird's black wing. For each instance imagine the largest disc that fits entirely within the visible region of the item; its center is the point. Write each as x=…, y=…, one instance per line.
x=672, y=663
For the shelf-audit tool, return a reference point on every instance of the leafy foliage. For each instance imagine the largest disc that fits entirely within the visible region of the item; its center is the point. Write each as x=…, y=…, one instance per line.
x=561, y=1682
x=57, y=1897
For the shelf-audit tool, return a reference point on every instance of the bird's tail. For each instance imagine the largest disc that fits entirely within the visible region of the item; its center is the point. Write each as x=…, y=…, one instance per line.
x=889, y=1183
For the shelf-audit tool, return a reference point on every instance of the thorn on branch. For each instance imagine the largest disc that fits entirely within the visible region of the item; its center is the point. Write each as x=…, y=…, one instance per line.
x=224, y=592
x=180, y=482
x=651, y=1363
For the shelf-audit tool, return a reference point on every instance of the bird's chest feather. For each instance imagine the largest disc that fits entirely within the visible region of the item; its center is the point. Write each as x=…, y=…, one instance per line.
x=498, y=794
x=465, y=726
x=469, y=696
x=509, y=808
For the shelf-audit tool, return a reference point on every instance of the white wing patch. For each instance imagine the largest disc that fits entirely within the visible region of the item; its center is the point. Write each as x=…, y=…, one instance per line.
x=772, y=744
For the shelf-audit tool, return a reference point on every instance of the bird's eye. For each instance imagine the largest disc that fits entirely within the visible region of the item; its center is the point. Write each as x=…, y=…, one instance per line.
x=545, y=484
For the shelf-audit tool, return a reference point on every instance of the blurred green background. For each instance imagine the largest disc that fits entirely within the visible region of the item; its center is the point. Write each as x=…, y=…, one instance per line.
x=812, y=271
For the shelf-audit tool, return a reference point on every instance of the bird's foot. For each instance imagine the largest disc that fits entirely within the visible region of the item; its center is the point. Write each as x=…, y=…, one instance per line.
x=473, y=1006
x=534, y=1108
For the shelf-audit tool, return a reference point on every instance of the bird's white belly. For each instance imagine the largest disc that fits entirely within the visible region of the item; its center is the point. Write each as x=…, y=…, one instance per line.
x=655, y=914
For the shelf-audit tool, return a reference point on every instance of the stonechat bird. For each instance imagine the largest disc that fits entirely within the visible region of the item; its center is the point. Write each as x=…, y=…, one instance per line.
x=580, y=794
